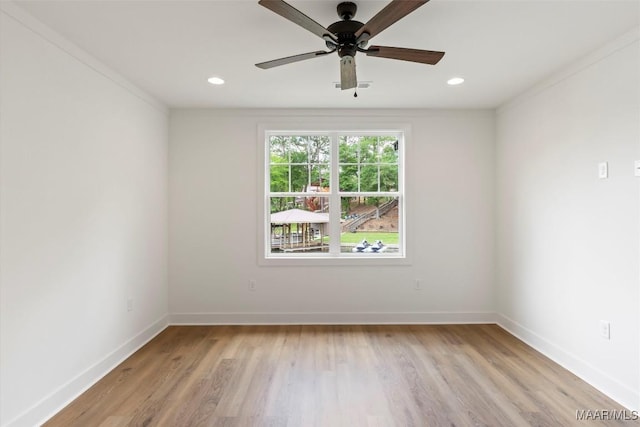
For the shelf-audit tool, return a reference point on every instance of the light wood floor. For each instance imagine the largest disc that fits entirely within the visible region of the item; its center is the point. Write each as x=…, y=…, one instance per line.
x=454, y=375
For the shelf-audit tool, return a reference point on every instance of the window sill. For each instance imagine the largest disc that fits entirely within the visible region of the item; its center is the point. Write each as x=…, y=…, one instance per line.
x=343, y=260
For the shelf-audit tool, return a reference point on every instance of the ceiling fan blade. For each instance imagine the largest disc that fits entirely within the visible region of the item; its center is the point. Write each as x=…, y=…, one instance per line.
x=391, y=13
x=294, y=58
x=414, y=55
x=289, y=12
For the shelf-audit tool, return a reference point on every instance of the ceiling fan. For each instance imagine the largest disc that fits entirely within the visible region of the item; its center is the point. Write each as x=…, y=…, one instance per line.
x=347, y=37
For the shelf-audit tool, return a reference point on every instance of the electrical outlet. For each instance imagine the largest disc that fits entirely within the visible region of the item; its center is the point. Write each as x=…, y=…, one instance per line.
x=417, y=284
x=252, y=285
x=130, y=304
x=603, y=170
x=605, y=329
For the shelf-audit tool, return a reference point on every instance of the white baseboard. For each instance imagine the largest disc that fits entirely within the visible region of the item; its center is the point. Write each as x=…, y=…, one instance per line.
x=622, y=394
x=52, y=404
x=361, y=318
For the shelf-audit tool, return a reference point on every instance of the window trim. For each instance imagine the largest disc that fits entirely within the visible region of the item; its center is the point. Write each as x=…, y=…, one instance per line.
x=263, y=185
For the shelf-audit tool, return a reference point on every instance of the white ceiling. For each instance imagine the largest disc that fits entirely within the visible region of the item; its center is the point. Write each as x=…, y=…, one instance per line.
x=170, y=48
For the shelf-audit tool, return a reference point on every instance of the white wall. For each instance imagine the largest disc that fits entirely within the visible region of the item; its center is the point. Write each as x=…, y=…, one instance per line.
x=214, y=202
x=83, y=203
x=83, y=222
x=568, y=245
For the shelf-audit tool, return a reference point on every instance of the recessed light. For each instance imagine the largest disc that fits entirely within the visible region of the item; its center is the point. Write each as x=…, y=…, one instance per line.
x=215, y=80
x=455, y=81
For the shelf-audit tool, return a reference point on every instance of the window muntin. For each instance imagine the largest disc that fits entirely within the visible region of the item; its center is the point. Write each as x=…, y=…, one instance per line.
x=368, y=163
x=298, y=161
x=360, y=217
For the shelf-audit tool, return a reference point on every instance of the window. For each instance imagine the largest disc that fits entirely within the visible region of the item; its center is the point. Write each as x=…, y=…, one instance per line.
x=334, y=195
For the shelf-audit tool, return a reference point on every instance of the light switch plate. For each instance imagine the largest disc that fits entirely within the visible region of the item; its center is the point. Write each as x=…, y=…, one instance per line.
x=603, y=170
x=637, y=168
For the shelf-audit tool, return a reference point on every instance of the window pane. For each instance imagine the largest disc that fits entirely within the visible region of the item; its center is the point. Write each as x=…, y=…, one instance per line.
x=319, y=149
x=369, y=225
x=320, y=178
x=348, y=177
x=316, y=204
x=279, y=176
x=278, y=149
x=388, y=150
x=299, y=177
x=388, y=178
x=368, y=149
x=348, y=147
x=369, y=178
x=279, y=204
x=298, y=148
x=295, y=228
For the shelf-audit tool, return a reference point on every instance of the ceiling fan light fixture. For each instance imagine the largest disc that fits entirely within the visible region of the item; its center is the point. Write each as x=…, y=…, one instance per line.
x=366, y=84
x=348, y=79
x=215, y=80
x=454, y=81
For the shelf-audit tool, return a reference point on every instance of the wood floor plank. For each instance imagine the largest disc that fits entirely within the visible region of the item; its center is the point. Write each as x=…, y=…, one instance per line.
x=343, y=375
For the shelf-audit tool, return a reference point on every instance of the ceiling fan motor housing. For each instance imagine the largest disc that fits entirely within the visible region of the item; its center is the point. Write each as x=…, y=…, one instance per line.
x=345, y=30
x=345, y=33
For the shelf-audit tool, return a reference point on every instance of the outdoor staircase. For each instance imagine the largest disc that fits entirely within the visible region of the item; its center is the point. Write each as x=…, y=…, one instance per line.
x=352, y=225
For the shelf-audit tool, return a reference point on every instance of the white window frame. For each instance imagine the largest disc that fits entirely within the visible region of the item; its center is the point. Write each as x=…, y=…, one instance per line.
x=333, y=257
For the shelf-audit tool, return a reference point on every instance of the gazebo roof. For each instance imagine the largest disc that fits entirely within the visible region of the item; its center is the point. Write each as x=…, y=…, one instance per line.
x=298, y=216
